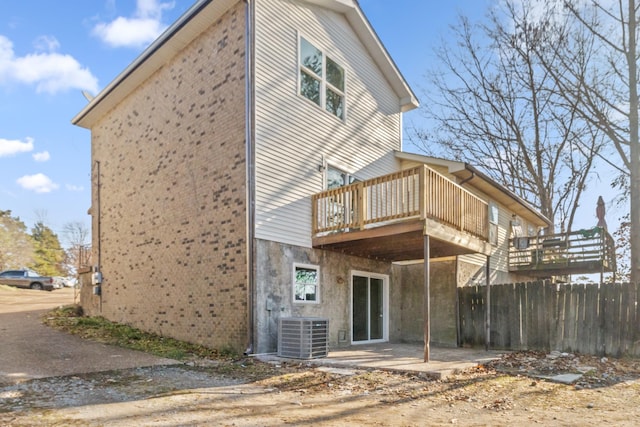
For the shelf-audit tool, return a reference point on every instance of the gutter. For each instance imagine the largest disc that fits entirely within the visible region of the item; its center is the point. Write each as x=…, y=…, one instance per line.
x=503, y=189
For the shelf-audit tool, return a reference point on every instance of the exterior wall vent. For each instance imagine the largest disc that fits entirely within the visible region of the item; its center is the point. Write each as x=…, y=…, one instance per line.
x=303, y=337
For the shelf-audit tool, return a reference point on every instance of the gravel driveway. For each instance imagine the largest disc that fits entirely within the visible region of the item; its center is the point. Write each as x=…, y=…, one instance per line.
x=31, y=350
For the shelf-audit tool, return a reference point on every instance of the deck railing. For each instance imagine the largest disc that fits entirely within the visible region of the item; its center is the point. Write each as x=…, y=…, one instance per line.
x=593, y=246
x=419, y=192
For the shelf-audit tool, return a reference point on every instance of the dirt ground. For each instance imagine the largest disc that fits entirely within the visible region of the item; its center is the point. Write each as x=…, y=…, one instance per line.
x=253, y=393
x=248, y=392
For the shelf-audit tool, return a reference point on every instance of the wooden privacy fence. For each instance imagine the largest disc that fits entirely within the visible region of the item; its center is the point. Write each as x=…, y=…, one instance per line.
x=584, y=318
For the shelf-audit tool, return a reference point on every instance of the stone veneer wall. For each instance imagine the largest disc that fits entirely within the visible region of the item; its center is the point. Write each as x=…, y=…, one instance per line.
x=172, y=195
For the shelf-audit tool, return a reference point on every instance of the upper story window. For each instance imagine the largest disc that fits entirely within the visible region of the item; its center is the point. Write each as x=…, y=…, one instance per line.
x=493, y=222
x=321, y=79
x=338, y=178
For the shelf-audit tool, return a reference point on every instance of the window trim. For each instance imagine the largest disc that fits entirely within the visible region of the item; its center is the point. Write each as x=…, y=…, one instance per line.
x=294, y=283
x=325, y=85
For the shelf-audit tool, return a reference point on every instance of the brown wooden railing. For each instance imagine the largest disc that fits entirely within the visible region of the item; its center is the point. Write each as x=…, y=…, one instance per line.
x=583, y=248
x=419, y=192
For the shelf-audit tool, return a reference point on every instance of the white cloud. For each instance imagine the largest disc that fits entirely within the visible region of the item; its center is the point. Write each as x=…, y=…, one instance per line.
x=10, y=147
x=48, y=71
x=40, y=183
x=71, y=187
x=47, y=44
x=137, y=31
x=42, y=156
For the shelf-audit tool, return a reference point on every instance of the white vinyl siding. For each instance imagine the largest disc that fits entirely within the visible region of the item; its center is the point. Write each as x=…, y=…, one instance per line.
x=500, y=254
x=293, y=137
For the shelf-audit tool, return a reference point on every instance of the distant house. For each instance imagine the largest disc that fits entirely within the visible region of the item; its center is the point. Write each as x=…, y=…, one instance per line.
x=247, y=167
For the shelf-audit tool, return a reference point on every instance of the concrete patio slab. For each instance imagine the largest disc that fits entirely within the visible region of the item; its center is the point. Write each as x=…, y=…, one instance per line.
x=402, y=357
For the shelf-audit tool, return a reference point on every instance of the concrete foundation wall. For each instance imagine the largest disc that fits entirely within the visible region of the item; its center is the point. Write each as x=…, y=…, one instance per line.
x=443, y=305
x=274, y=297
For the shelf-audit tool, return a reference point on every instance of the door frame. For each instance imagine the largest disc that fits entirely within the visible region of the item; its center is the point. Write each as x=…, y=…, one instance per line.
x=385, y=305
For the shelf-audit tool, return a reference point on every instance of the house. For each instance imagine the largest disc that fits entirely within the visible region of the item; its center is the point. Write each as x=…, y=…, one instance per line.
x=248, y=166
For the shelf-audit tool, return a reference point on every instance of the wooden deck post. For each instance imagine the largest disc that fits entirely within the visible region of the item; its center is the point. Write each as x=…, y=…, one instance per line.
x=487, y=302
x=362, y=201
x=426, y=302
x=422, y=192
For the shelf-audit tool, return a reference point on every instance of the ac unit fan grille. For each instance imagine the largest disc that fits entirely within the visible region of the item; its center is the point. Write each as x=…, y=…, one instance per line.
x=303, y=337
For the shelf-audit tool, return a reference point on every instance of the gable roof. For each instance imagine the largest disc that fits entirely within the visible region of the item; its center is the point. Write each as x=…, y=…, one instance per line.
x=362, y=27
x=196, y=20
x=478, y=179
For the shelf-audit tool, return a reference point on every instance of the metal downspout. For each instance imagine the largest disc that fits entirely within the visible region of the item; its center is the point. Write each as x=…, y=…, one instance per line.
x=250, y=173
x=467, y=179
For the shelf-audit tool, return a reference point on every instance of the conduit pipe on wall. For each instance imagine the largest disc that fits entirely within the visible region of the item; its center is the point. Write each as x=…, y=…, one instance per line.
x=98, y=229
x=250, y=171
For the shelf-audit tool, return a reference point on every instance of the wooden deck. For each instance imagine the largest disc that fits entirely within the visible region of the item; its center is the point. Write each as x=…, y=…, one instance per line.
x=580, y=252
x=387, y=217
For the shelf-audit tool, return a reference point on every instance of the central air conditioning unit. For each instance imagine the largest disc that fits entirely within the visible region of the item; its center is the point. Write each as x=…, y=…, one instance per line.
x=303, y=337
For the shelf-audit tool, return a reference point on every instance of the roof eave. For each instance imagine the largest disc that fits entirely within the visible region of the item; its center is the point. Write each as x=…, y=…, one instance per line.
x=363, y=28
x=184, y=30
x=456, y=167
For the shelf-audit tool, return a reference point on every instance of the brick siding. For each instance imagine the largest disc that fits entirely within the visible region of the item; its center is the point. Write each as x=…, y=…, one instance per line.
x=173, y=196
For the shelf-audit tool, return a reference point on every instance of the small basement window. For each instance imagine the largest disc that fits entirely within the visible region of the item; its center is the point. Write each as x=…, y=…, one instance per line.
x=306, y=283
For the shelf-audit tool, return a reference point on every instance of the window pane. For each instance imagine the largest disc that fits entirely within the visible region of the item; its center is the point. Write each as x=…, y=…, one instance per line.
x=299, y=293
x=335, y=75
x=306, y=275
x=309, y=87
x=335, y=103
x=493, y=213
x=335, y=178
x=493, y=234
x=310, y=293
x=311, y=57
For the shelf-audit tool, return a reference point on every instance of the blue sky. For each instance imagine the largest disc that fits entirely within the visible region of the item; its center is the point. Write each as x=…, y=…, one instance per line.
x=50, y=51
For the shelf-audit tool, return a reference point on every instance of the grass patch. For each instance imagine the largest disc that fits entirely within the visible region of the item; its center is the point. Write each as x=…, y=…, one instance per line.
x=70, y=319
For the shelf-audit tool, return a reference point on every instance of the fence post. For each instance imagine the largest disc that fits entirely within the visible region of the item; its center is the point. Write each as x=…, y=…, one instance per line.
x=488, y=305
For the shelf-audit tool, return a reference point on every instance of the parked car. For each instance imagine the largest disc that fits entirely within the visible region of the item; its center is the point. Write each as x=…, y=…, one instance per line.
x=26, y=279
x=59, y=282
x=64, y=282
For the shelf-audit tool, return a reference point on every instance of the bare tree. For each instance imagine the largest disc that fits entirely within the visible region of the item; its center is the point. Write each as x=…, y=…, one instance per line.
x=77, y=236
x=604, y=86
x=496, y=105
